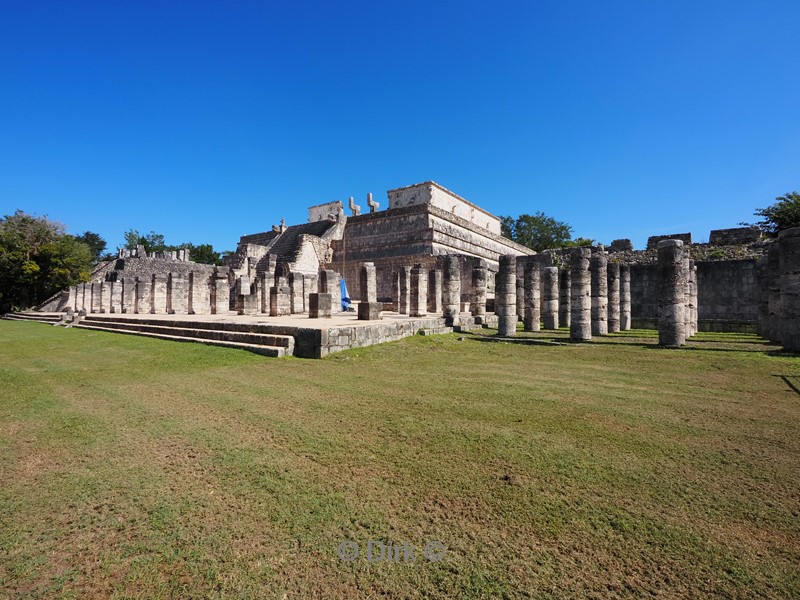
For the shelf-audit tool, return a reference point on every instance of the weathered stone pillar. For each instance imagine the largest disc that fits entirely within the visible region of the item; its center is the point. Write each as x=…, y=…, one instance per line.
x=564, y=300
x=692, y=299
x=580, y=327
x=159, y=294
x=369, y=282
x=506, y=296
x=319, y=306
x=480, y=274
x=419, y=292
x=129, y=295
x=532, y=318
x=405, y=290
x=520, y=300
x=774, y=299
x=435, y=292
x=396, y=291
x=671, y=293
x=105, y=306
x=625, y=298
x=246, y=301
x=144, y=296
x=789, y=265
x=280, y=298
x=550, y=298
x=369, y=308
x=614, y=316
x=451, y=289
x=599, y=269
x=687, y=314
x=309, y=287
x=266, y=282
x=221, y=292
x=97, y=297
x=116, y=297
x=762, y=324
x=177, y=295
x=199, y=294
x=296, y=289
x=328, y=283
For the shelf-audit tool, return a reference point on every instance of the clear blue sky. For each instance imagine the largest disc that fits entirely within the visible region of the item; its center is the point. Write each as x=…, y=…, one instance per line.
x=208, y=120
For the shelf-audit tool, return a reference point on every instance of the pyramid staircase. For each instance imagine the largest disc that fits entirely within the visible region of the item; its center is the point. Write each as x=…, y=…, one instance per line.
x=39, y=317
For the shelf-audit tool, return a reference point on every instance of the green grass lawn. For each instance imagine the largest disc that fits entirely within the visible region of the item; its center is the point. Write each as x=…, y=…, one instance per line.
x=139, y=468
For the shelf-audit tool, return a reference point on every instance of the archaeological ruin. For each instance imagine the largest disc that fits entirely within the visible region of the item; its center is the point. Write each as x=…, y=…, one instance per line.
x=433, y=262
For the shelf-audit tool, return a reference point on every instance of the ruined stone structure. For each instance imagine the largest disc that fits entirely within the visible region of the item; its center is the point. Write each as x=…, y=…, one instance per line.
x=789, y=274
x=625, y=297
x=532, y=318
x=598, y=267
x=506, y=296
x=564, y=301
x=550, y=298
x=614, y=312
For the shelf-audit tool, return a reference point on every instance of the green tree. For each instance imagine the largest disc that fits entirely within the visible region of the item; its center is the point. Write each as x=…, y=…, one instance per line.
x=202, y=253
x=38, y=259
x=152, y=242
x=94, y=241
x=785, y=213
x=579, y=242
x=538, y=231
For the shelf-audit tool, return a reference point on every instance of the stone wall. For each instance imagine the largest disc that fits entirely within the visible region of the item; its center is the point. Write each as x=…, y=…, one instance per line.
x=734, y=237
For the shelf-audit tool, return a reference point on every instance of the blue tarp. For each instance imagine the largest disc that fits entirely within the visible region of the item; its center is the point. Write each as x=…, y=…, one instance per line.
x=345, y=295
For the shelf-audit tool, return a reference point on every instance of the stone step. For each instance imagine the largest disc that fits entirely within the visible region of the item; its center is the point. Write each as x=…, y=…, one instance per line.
x=264, y=350
x=221, y=335
x=39, y=318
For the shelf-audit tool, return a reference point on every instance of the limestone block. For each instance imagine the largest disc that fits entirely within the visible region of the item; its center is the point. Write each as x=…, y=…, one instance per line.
x=435, y=292
x=625, y=297
x=671, y=293
x=319, y=305
x=144, y=296
x=550, y=298
x=480, y=275
x=199, y=293
x=451, y=288
x=129, y=295
x=564, y=300
x=405, y=291
x=177, y=294
x=369, y=311
x=599, y=281
x=532, y=318
x=159, y=292
x=580, y=329
x=280, y=299
x=614, y=309
x=506, y=296
x=368, y=282
x=419, y=292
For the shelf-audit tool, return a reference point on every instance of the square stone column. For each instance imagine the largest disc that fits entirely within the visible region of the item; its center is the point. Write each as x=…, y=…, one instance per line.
x=419, y=292
x=159, y=306
x=435, y=292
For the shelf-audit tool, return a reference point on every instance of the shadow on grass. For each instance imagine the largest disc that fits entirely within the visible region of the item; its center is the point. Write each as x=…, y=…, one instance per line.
x=788, y=381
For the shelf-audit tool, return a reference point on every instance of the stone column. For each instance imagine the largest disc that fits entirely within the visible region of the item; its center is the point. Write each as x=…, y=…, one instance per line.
x=451, y=289
x=178, y=294
x=671, y=293
x=419, y=292
x=692, y=299
x=520, y=300
x=625, y=298
x=116, y=297
x=296, y=289
x=580, y=327
x=550, y=298
x=532, y=318
x=774, y=299
x=564, y=300
x=369, y=309
x=129, y=295
x=221, y=292
x=266, y=281
x=144, y=296
x=105, y=307
x=687, y=315
x=614, y=311
x=199, y=294
x=405, y=290
x=506, y=296
x=599, y=269
x=97, y=297
x=435, y=292
x=280, y=298
x=396, y=291
x=789, y=269
x=309, y=287
x=328, y=282
x=159, y=294
x=480, y=275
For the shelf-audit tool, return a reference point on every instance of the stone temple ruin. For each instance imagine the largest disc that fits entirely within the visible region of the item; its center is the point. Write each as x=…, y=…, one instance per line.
x=433, y=262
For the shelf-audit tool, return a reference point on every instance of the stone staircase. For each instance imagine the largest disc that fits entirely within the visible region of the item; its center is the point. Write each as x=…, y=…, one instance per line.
x=244, y=336
x=49, y=318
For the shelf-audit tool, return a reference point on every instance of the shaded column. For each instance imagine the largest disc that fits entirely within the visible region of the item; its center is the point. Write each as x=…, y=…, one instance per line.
x=774, y=297
x=97, y=297
x=396, y=291
x=520, y=301
x=435, y=292
x=266, y=282
x=550, y=298
x=329, y=283
x=789, y=265
x=129, y=295
x=178, y=294
x=614, y=316
x=625, y=298
x=532, y=319
x=405, y=290
x=692, y=299
x=451, y=289
x=599, y=281
x=671, y=293
x=116, y=297
x=144, y=296
x=105, y=305
x=564, y=300
x=580, y=327
x=419, y=292
x=296, y=289
x=506, y=296
x=687, y=315
x=762, y=323
x=477, y=305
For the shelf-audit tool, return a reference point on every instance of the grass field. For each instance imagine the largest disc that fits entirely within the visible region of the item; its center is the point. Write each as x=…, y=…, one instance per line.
x=138, y=468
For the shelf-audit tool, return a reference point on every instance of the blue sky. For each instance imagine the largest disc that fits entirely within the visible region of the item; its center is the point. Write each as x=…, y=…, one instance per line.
x=208, y=120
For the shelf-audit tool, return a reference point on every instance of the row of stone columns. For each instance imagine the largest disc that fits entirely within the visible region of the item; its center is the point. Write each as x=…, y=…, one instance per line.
x=779, y=303
x=677, y=294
